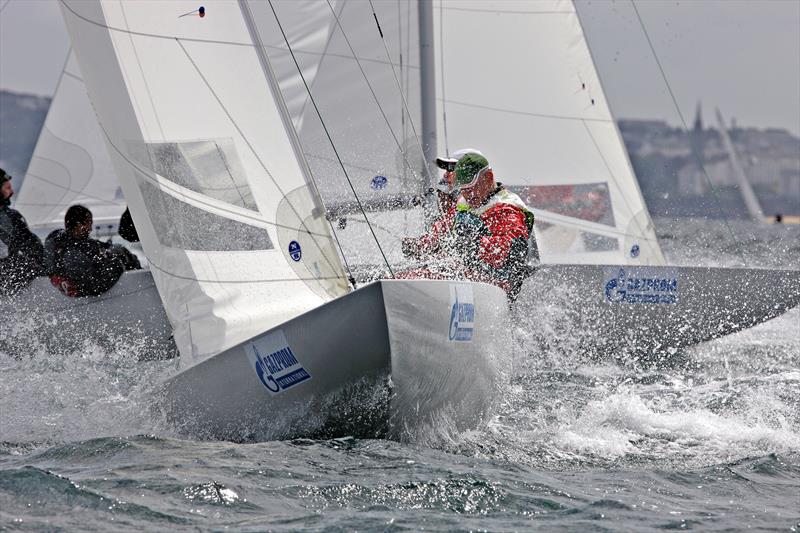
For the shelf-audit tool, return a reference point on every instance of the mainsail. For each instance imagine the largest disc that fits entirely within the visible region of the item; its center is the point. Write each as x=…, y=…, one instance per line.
x=517, y=80
x=70, y=163
x=204, y=148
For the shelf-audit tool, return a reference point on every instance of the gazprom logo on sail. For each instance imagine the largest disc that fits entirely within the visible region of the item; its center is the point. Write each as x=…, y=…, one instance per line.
x=462, y=313
x=642, y=285
x=275, y=363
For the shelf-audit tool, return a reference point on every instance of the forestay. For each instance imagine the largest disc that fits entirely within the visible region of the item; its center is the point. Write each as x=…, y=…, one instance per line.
x=517, y=80
x=204, y=150
x=70, y=163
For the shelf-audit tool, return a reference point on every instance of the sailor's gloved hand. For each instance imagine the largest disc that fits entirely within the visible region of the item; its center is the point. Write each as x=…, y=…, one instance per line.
x=410, y=247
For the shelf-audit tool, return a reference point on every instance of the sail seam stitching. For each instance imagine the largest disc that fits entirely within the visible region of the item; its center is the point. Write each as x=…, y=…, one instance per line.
x=528, y=113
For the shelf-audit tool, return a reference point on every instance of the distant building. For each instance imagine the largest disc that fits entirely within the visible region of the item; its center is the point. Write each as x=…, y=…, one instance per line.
x=677, y=171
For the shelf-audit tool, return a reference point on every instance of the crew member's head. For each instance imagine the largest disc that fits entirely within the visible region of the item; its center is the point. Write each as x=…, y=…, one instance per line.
x=448, y=165
x=78, y=221
x=6, y=190
x=475, y=179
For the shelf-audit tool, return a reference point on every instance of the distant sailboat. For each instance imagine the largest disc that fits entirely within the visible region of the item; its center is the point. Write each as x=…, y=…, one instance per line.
x=70, y=163
x=748, y=195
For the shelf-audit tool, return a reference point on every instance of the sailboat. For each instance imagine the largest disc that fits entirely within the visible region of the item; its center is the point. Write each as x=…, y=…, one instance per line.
x=239, y=247
x=70, y=165
x=190, y=105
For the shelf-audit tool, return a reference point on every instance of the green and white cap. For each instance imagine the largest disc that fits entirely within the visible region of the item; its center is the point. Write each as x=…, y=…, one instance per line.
x=469, y=168
x=449, y=163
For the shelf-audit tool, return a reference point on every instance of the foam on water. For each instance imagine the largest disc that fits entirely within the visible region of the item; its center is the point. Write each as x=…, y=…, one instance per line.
x=713, y=441
x=81, y=395
x=620, y=424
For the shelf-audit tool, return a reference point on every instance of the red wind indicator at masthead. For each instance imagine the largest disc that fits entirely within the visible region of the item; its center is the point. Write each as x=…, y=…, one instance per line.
x=201, y=12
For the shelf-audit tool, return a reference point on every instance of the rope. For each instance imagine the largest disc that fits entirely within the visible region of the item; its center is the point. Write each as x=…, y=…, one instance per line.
x=686, y=130
x=328, y=135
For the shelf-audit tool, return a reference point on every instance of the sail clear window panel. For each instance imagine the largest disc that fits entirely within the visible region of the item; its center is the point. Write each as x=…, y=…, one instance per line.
x=589, y=201
x=555, y=240
x=307, y=245
x=593, y=242
x=211, y=167
x=180, y=225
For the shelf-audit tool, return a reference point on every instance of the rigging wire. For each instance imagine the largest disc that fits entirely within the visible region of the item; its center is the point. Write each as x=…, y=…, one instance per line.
x=330, y=139
x=686, y=130
x=400, y=61
x=425, y=165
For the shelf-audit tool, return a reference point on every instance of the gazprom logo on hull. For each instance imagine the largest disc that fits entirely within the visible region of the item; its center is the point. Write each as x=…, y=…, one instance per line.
x=641, y=285
x=275, y=363
x=462, y=313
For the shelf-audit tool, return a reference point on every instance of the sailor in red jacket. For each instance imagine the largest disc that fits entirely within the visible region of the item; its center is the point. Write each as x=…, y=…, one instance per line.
x=435, y=241
x=493, y=228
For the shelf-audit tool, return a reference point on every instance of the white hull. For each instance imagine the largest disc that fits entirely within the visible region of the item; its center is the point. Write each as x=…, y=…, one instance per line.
x=128, y=318
x=711, y=302
x=648, y=319
x=381, y=363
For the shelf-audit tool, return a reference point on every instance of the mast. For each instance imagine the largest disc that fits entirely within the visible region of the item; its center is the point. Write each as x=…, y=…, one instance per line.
x=427, y=88
x=749, y=197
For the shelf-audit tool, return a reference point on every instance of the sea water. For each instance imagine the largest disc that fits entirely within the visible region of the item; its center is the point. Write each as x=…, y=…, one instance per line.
x=711, y=442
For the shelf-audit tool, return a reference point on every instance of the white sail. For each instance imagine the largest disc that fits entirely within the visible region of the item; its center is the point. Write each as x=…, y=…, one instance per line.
x=517, y=80
x=369, y=124
x=70, y=163
x=357, y=90
x=203, y=147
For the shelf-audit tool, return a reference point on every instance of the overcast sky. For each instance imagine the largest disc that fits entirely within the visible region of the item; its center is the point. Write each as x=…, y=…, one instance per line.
x=742, y=56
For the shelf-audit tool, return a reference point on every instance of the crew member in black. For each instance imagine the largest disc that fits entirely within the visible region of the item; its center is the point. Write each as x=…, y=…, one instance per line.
x=80, y=265
x=21, y=252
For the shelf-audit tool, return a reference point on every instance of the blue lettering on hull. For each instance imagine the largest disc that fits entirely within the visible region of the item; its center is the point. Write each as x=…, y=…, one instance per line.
x=279, y=369
x=462, y=313
x=641, y=286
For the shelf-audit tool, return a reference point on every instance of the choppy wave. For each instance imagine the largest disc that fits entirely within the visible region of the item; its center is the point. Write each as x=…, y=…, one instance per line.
x=711, y=441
